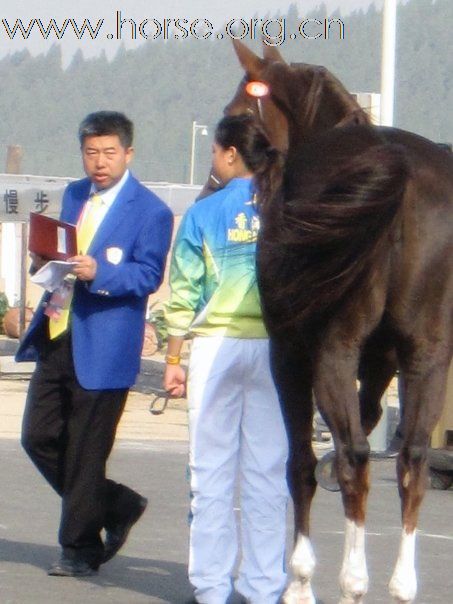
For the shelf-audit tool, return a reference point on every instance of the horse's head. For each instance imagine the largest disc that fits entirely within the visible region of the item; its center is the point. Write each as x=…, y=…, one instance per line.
x=301, y=99
x=262, y=103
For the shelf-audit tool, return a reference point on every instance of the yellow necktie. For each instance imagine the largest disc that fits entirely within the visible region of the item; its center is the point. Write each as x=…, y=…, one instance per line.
x=89, y=223
x=86, y=229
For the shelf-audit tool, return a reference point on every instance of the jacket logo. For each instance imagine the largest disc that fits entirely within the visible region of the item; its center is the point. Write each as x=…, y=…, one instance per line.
x=246, y=231
x=114, y=255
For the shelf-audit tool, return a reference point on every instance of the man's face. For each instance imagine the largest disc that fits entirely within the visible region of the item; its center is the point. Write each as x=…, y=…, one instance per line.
x=105, y=160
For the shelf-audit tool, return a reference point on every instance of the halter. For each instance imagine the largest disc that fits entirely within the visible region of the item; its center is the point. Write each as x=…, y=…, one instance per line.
x=258, y=90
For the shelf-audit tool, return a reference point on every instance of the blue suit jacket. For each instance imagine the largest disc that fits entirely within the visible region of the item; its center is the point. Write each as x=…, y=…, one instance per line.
x=107, y=324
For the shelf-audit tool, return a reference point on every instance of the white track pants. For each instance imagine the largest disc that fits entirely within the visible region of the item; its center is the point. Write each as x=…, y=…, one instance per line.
x=236, y=433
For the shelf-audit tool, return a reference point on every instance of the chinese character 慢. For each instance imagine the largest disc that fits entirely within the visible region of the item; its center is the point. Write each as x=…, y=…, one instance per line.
x=11, y=201
x=41, y=202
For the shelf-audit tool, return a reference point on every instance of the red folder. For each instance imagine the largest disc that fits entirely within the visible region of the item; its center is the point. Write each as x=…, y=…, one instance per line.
x=52, y=239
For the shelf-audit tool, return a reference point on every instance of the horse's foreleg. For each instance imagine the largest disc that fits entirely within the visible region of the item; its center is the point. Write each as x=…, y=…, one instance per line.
x=423, y=400
x=403, y=584
x=293, y=379
x=354, y=573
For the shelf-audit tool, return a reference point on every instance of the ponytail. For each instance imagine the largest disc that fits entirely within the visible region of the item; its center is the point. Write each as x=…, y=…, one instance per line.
x=265, y=162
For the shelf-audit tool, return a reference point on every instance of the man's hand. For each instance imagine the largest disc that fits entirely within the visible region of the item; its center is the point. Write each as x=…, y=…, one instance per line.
x=175, y=380
x=86, y=267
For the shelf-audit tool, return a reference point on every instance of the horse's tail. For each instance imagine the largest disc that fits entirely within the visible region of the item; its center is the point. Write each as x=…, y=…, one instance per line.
x=331, y=238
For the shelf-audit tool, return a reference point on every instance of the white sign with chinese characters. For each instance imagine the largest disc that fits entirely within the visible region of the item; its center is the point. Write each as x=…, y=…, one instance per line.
x=20, y=195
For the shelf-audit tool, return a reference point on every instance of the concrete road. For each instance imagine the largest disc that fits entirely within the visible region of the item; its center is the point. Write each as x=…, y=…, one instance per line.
x=151, y=456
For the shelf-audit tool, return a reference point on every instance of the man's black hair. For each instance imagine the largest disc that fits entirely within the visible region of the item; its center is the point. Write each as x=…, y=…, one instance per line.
x=104, y=123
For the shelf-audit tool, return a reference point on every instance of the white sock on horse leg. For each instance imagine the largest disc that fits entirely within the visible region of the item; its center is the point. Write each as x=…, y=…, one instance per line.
x=302, y=564
x=354, y=574
x=403, y=584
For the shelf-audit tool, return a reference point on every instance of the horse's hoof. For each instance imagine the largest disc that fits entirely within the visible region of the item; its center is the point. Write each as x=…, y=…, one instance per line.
x=325, y=472
x=354, y=587
x=403, y=589
x=299, y=593
x=402, y=598
x=303, y=561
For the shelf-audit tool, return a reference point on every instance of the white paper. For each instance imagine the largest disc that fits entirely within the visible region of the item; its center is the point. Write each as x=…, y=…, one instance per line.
x=61, y=240
x=51, y=275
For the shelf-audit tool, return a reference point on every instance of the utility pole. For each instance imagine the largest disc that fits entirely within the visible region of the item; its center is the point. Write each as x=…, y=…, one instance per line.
x=14, y=156
x=388, y=62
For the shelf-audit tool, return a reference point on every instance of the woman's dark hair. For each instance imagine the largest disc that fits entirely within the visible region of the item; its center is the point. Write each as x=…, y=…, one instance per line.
x=103, y=123
x=249, y=138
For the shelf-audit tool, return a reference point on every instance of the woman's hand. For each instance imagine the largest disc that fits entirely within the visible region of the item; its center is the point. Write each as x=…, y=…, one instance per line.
x=175, y=380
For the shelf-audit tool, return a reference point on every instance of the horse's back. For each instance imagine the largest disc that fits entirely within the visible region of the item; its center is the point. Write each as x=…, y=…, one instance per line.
x=431, y=167
x=421, y=280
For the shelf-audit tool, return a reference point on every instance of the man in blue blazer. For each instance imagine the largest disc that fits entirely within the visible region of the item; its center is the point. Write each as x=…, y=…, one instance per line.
x=89, y=355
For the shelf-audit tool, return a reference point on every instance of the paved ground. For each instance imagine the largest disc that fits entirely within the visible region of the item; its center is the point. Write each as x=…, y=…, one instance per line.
x=151, y=455
x=137, y=422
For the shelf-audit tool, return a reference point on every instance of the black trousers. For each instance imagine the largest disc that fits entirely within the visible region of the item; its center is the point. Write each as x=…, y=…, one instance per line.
x=68, y=432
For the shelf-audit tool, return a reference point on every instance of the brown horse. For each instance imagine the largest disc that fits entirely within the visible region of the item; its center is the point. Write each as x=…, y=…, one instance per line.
x=355, y=272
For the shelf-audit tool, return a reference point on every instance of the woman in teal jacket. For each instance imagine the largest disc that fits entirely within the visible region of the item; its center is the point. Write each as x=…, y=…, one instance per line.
x=235, y=422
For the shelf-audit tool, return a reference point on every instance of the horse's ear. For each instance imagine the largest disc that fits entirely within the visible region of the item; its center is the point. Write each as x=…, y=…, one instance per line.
x=250, y=62
x=271, y=53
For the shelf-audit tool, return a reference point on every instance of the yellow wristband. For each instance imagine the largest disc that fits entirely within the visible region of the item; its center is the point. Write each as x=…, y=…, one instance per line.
x=172, y=359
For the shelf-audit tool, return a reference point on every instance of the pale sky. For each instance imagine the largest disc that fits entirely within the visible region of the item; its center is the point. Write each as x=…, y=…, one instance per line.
x=104, y=13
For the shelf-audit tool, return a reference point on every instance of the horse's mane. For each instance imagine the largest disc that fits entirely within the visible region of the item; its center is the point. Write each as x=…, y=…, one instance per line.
x=324, y=80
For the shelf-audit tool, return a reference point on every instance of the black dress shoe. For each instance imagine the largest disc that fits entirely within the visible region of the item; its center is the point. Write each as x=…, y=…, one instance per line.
x=116, y=536
x=71, y=568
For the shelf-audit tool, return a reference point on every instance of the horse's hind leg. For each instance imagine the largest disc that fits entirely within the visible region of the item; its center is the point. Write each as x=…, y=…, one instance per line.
x=336, y=393
x=292, y=375
x=425, y=382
